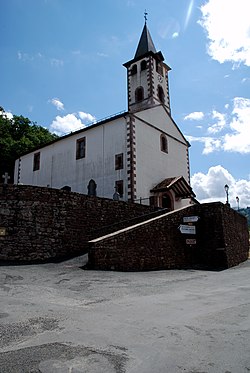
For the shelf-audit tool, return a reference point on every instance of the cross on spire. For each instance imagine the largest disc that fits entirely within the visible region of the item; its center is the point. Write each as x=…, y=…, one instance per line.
x=145, y=16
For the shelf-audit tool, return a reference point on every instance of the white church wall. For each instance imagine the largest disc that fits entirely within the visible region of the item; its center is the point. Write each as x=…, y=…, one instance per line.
x=154, y=165
x=157, y=117
x=59, y=166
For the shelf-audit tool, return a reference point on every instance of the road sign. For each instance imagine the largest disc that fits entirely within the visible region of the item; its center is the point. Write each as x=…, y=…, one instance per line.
x=190, y=219
x=191, y=241
x=187, y=229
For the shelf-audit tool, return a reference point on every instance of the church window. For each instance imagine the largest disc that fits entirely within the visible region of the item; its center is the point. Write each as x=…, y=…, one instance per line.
x=119, y=161
x=36, y=162
x=119, y=187
x=143, y=65
x=92, y=188
x=81, y=148
x=164, y=143
x=134, y=70
x=159, y=68
x=161, y=94
x=139, y=94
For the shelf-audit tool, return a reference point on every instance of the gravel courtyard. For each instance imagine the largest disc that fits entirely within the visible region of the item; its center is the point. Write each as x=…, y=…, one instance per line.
x=58, y=318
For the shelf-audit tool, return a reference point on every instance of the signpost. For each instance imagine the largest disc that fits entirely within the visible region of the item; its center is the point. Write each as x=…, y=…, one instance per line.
x=187, y=229
x=190, y=219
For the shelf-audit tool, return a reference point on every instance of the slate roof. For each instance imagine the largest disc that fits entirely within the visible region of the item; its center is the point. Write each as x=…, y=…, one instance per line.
x=145, y=44
x=178, y=184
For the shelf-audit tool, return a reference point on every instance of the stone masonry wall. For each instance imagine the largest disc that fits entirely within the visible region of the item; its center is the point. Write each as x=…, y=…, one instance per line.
x=38, y=224
x=43, y=224
x=221, y=242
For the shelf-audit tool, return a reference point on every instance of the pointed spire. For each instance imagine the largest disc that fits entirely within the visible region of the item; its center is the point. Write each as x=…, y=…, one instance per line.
x=146, y=43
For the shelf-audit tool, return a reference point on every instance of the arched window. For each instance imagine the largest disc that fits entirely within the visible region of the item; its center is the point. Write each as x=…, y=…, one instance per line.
x=159, y=68
x=139, y=94
x=134, y=70
x=164, y=143
x=143, y=65
x=161, y=94
x=92, y=188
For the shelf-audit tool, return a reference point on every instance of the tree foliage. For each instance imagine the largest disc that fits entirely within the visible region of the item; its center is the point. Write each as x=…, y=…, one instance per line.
x=19, y=135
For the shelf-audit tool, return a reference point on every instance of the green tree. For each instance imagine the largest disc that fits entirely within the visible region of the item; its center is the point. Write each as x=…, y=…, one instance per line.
x=19, y=135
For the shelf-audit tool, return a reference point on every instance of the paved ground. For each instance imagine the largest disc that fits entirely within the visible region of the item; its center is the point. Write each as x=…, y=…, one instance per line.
x=57, y=318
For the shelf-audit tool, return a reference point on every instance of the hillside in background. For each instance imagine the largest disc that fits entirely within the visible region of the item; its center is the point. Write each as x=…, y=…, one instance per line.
x=246, y=213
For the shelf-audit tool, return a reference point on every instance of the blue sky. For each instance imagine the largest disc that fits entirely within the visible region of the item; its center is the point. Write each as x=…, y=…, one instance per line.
x=61, y=66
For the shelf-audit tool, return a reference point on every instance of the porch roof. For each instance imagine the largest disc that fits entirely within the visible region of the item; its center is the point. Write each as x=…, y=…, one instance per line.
x=177, y=184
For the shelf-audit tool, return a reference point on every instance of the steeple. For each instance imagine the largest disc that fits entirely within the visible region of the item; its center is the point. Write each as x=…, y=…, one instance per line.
x=147, y=76
x=145, y=44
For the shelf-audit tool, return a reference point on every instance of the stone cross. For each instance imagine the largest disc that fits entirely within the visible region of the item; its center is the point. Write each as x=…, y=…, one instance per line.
x=6, y=177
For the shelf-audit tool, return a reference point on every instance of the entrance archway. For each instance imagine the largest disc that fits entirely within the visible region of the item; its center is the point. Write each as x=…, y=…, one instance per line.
x=166, y=201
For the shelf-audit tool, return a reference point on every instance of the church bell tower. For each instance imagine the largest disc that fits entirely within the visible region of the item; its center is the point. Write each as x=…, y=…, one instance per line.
x=147, y=76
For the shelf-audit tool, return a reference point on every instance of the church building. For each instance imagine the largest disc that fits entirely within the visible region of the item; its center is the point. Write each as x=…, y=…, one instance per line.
x=140, y=154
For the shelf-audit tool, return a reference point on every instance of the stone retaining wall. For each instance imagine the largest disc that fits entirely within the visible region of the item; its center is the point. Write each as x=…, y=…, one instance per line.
x=38, y=224
x=42, y=224
x=221, y=241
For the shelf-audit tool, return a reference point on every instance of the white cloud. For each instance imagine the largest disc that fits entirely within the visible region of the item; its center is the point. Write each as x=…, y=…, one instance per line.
x=71, y=122
x=35, y=57
x=26, y=57
x=66, y=124
x=168, y=29
x=227, y=24
x=175, y=35
x=239, y=139
x=6, y=114
x=55, y=62
x=237, y=124
x=221, y=122
x=57, y=103
x=196, y=115
x=86, y=117
x=101, y=54
x=210, y=144
x=245, y=80
x=210, y=187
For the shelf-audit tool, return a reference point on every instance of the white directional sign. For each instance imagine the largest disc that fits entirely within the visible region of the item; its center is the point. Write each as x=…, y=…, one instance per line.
x=190, y=219
x=187, y=229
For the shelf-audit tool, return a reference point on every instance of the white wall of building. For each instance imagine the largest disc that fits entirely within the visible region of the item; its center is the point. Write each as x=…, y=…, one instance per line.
x=59, y=166
x=152, y=164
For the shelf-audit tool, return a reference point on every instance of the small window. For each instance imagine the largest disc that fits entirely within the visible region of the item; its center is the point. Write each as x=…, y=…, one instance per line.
x=92, y=188
x=36, y=162
x=143, y=65
x=134, y=70
x=164, y=143
x=80, y=148
x=119, y=161
x=119, y=187
x=139, y=94
x=161, y=94
x=159, y=68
